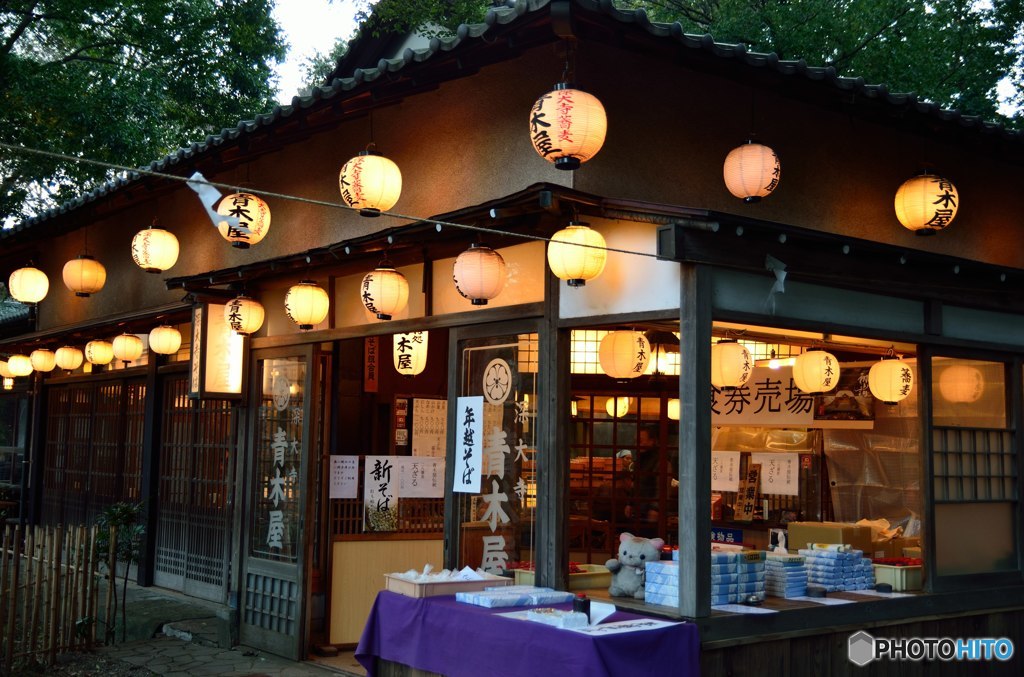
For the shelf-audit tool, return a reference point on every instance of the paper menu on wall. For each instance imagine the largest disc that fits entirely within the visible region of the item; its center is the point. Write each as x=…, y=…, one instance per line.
x=429, y=427
x=725, y=471
x=344, y=477
x=420, y=477
x=780, y=472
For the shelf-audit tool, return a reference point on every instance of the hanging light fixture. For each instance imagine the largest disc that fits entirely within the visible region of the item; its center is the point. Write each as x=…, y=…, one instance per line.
x=28, y=285
x=926, y=203
x=567, y=126
x=127, y=348
x=69, y=358
x=731, y=365
x=43, y=359
x=84, y=276
x=890, y=380
x=624, y=354
x=164, y=340
x=385, y=291
x=961, y=384
x=752, y=171
x=370, y=183
x=617, y=407
x=576, y=254
x=8, y=377
x=252, y=213
x=306, y=304
x=479, y=274
x=154, y=249
x=410, y=352
x=673, y=409
x=815, y=371
x=99, y=352
x=244, y=315
x=19, y=365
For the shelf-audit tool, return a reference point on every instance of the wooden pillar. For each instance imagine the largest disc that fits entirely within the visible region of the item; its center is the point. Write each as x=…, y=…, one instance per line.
x=695, y=441
x=30, y=510
x=150, y=471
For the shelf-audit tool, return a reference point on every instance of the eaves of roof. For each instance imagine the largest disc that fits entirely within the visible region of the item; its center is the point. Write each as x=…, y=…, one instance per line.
x=506, y=31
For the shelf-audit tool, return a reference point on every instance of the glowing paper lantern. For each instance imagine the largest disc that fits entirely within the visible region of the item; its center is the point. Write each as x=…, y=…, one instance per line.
x=28, y=285
x=815, y=372
x=890, y=380
x=252, y=213
x=926, y=204
x=479, y=274
x=673, y=409
x=99, y=352
x=19, y=365
x=127, y=347
x=69, y=358
x=164, y=340
x=961, y=384
x=410, y=352
x=577, y=254
x=752, y=171
x=154, y=249
x=43, y=360
x=731, y=365
x=385, y=292
x=306, y=304
x=84, y=275
x=5, y=371
x=244, y=315
x=617, y=407
x=370, y=183
x=567, y=126
x=624, y=354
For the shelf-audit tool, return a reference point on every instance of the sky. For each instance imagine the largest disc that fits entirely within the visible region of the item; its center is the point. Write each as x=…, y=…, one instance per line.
x=309, y=26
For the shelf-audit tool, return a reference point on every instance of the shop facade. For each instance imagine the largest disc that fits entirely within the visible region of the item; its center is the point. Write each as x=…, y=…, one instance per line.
x=284, y=473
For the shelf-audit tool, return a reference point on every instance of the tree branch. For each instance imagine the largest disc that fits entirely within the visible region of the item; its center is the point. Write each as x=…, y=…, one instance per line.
x=846, y=57
x=26, y=21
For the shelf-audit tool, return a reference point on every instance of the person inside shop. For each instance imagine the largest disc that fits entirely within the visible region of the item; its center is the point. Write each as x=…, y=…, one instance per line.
x=645, y=466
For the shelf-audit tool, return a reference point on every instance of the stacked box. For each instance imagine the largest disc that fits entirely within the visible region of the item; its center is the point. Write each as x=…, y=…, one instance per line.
x=735, y=576
x=519, y=596
x=750, y=579
x=661, y=583
x=785, y=576
x=837, y=571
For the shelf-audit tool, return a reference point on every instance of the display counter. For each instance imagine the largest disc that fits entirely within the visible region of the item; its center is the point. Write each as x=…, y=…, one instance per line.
x=455, y=639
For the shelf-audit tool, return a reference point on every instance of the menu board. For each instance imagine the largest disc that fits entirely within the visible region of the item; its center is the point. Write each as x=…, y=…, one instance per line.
x=725, y=470
x=420, y=477
x=780, y=472
x=344, y=477
x=429, y=427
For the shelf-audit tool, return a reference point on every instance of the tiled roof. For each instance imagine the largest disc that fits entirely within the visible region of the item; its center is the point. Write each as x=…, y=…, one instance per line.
x=822, y=82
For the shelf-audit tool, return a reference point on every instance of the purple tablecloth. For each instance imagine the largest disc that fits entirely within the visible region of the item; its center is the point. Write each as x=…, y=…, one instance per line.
x=456, y=639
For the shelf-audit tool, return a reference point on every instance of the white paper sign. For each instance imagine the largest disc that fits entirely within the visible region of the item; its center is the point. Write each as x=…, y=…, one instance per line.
x=780, y=472
x=380, y=493
x=769, y=398
x=420, y=477
x=469, y=440
x=429, y=427
x=344, y=477
x=725, y=471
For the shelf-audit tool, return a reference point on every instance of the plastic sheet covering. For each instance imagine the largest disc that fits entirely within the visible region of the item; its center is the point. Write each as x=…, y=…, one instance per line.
x=875, y=474
x=734, y=438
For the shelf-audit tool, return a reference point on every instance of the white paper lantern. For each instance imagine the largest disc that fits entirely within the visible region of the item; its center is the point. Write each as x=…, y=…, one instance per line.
x=410, y=352
x=84, y=276
x=815, y=372
x=28, y=285
x=624, y=354
x=99, y=352
x=164, y=340
x=306, y=304
x=673, y=409
x=617, y=407
x=731, y=365
x=576, y=254
x=479, y=274
x=752, y=171
x=567, y=126
x=127, y=347
x=384, y=292
x=19, y=365
x=370, y=183
x=244, y=315
x=890, y=381
x=43, y=359
x=252, y=213
x=154, y=249
x=69, y=358
x=961, y=384
x=5, y=371
x=926, y=204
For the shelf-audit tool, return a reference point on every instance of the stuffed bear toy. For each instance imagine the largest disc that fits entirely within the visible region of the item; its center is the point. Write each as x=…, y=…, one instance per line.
x=630, y=568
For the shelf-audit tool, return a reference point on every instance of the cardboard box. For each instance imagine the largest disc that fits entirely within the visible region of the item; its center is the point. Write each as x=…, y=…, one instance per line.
x=900, y=578
x=593, y=576
x=802, y=533
x=894, y=548
x=413, y=589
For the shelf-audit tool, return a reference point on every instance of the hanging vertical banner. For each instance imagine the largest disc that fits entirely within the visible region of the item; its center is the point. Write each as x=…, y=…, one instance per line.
x=344, y=477
x=371, y=363
x=420, y=477
x=217, y=355
x=469, y=417
x=380, y=494
x=780, y=472
x=746, y=499
x=725, y=470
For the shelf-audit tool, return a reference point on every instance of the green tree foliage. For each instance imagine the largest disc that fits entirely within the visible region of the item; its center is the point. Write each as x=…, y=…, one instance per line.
x=123, y=81
x=951, y=52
